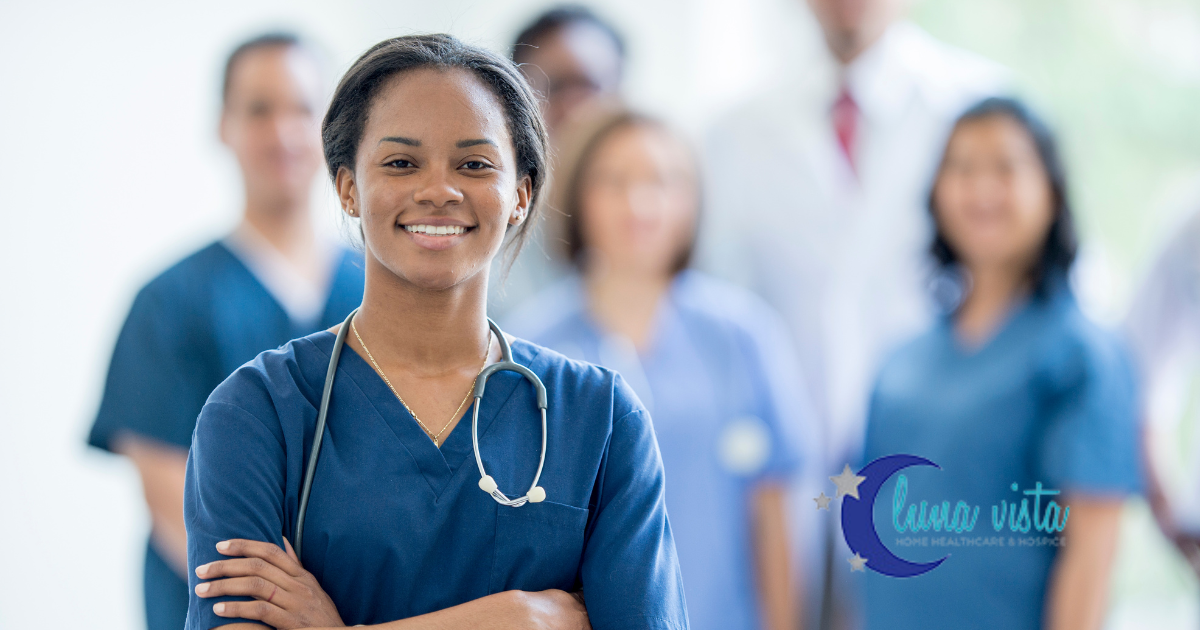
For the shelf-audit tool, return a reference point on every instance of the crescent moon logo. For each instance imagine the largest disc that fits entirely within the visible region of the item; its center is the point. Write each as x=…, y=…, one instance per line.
x=858, y=523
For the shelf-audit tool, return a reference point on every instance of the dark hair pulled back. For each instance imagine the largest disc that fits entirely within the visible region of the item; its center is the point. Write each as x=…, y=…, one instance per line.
x=342, y=129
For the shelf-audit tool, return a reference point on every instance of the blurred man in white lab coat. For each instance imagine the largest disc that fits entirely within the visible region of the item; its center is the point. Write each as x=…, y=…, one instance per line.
x=818, y=201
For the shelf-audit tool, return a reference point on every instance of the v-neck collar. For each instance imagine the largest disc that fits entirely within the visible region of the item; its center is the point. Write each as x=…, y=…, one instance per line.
x=437, y=465
x=665, y=312
x=338, y=260
x=1012, y=319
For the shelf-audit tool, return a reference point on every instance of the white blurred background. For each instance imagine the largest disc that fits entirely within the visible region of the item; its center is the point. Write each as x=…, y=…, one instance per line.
x=110, y=170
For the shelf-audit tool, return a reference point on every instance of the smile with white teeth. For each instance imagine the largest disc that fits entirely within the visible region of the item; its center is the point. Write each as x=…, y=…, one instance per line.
x=436, y=230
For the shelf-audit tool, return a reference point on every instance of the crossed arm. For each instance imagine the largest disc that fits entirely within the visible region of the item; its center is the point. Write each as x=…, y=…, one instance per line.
x=286, y=596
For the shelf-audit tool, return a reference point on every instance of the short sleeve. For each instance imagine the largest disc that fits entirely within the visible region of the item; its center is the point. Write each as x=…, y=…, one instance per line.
x=234, y=489
x=1090, y=444
x=159, y=376
x=630, y=572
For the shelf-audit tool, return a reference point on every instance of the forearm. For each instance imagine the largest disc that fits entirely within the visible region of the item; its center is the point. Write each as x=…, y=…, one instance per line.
x=510, y=610
x=162, y=469
x=778, y=593
x=487, y=613
x=494, y=612
x=1079, y=584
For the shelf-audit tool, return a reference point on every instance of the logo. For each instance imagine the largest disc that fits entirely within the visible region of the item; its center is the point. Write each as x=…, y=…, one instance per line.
x=859, y=490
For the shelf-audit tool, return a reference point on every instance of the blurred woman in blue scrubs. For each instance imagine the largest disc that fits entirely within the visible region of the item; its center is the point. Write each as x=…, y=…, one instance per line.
x=274, y=278
x=1013, y=388
x=709, y=360
x=438, y=151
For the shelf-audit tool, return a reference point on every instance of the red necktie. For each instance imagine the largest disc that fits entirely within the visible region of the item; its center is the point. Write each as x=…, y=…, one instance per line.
x=845, y=124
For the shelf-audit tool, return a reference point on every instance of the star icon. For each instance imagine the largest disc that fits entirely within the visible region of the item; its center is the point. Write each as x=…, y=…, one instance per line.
x=857, y=562
x=847, y=483
x=822, y=501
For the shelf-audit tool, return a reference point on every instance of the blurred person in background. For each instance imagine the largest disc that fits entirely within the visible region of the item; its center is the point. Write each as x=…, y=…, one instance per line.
x=1013, y=388
x=817, y=201
x=710, y=360
x=1163, y=327
x=272, y=279
x=570, y=56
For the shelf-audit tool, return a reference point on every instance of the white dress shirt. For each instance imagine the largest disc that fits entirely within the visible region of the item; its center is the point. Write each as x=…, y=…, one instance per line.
x=842, y=255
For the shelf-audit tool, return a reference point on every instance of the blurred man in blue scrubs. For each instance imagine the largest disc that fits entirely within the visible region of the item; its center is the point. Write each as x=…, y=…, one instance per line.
x=817, y=195
x=710, y=361
x=272, y=279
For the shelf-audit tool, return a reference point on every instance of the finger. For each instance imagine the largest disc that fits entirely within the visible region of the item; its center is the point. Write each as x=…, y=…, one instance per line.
x=245, y=567
x=263, y=550
x=255, y=587
x=269, y=614
x=290, y=552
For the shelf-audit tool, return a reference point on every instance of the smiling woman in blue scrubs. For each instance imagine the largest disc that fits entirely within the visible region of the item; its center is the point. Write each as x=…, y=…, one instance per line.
x=1013, y=388
x=710, y=361
x=439, y=150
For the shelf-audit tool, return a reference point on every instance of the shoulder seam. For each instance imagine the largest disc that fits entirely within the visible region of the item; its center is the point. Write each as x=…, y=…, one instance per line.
x=243, y=410
x=631, y=413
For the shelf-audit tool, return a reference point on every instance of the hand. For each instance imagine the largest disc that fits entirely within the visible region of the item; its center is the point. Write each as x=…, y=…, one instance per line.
x=285, y=595
x=554, y=610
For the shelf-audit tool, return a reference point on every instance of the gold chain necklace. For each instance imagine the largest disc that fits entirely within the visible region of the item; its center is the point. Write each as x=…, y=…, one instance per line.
x=431, y=434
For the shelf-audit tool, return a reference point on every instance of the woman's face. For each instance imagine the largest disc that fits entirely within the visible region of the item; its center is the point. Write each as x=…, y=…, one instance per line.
x=435, y=179
x=993, y=197
x=638, y=201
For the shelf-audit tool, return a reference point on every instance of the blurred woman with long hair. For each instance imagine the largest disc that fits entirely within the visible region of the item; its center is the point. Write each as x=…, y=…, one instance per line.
x=709, y=360
x=1027, y=407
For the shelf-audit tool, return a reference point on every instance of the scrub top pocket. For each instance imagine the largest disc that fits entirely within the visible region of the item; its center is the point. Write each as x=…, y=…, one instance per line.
x=539, y=546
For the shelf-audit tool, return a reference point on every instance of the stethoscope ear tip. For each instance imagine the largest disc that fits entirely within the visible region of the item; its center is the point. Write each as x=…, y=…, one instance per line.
x=487, y=484
x=536, y=494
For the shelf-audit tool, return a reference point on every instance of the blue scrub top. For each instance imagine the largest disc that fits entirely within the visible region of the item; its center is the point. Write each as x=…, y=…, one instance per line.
x=1050, y=398
x=188, y=329
x=724, y=392
x=397, y=527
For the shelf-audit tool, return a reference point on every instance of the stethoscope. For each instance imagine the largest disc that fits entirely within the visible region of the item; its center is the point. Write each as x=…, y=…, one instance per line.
x=535, y=494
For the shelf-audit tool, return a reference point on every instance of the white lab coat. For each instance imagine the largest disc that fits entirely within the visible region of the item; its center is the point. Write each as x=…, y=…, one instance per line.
x=844, y=257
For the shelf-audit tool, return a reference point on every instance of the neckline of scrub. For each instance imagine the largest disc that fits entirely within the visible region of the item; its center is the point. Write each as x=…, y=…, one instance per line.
x=438, y=465
x=1014, y=315
x=664, y=312
x=339, y=261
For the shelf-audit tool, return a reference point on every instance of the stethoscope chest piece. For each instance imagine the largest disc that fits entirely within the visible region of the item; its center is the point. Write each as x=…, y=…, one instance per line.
x=535, y=494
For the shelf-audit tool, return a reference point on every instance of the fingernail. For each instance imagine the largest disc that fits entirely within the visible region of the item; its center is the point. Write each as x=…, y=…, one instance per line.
x=201, y=570
x=219, y=608
x=202, y=588
x=223, y=545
